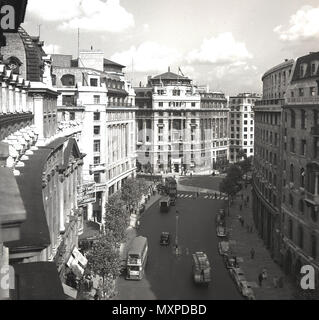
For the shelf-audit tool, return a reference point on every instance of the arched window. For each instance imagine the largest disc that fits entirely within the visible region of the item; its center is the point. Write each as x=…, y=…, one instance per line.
x=302, y=177
x=68, y=80
x=300, y=236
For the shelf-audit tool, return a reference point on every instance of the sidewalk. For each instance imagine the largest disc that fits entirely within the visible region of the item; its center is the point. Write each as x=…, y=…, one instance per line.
x=243, y=241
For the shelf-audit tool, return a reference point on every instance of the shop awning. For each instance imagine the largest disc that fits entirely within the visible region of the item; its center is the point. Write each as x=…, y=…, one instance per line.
x=77, y=263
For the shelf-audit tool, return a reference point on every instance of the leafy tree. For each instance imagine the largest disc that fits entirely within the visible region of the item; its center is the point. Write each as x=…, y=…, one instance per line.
x=245, y=165
x=133, y=191
x=234, y=173
x=116, y=218
x=229, y=187
x=148, y=168
x=104, y=260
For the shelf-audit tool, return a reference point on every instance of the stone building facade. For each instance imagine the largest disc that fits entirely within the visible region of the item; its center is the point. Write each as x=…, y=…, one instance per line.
x=267, y=159
x=179, y=129
x=242, y=125
x=95, y=94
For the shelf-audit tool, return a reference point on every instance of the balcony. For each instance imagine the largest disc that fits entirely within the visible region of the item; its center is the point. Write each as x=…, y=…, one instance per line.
x=315, y=131
x=310, y=100
x=119, y=105
x=100, y=167
x=312, y=198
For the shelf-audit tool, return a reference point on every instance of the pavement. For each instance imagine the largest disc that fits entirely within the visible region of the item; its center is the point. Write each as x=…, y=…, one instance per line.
x=243, y=241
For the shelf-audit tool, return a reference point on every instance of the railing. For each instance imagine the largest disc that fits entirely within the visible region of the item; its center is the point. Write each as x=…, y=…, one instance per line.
x=279, y=102
x=119, y=105
x=311, y=99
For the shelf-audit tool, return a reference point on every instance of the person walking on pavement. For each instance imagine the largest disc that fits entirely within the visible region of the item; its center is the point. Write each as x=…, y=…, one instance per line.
x=260, y=279
x=252, y=253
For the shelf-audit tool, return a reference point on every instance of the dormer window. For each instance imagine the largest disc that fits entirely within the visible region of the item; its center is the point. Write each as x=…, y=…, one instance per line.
x=303, y=68
x=313, y=68
x=68, y=80
x=93, y=82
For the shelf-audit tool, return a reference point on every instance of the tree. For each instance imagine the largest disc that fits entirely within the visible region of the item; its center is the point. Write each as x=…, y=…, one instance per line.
x=229, y=187
x=245, y=165
x=234, y=173
x=133, y=191
x=104, y=260
x=116, y=218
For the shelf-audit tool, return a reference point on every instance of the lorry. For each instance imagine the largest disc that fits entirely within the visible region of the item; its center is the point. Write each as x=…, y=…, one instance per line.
x=201, y=268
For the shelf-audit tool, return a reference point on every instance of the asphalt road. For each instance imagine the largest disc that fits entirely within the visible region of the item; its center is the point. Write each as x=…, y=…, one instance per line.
x=169, y=277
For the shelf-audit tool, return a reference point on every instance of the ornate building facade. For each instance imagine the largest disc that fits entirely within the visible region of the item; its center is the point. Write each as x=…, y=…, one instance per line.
x=95, y=94
x=179, y=129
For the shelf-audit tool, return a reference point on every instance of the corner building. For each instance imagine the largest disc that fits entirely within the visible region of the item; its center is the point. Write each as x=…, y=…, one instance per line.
x=179, y=129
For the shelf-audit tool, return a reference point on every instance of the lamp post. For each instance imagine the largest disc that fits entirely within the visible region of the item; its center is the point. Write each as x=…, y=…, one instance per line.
x=176, y=233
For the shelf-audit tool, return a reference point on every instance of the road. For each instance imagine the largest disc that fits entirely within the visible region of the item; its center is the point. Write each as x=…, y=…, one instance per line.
x=169, y=277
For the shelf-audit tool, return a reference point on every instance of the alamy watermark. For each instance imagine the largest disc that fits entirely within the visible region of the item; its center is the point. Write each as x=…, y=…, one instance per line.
x=308, y=279
x=7, y=18
x=7, y=281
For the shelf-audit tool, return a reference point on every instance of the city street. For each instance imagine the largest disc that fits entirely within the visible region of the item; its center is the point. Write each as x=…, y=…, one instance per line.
x=169, y=276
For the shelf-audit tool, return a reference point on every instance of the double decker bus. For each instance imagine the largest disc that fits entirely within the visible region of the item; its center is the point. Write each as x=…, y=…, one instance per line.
x=136, y=259
x=171, y=189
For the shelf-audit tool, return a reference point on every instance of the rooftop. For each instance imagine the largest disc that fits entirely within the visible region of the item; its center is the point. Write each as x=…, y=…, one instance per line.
x=306, y=60
x=169, y=76
x=37, y=281
x=34, y=231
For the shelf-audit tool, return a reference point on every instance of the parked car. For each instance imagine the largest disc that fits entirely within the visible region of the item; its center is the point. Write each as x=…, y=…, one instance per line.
x=238, y=275
x=223, y=247
x=246, y=290
x=230, y=262
x=165, y=239
x=221, y=231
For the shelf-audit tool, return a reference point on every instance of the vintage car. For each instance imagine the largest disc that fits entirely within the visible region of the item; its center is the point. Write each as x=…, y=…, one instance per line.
x=230, y=261
x=165, y=239
x=223, y=247
x=221, y=231
x=246, y=290
x=238, y=275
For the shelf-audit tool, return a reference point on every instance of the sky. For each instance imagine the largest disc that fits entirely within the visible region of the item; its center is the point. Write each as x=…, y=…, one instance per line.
x=227, y=44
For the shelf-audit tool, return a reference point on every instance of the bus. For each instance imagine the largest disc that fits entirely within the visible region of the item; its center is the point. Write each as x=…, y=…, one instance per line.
x=136, y=259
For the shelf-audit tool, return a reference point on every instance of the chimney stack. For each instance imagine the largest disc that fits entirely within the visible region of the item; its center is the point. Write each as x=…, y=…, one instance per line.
x=169, y=69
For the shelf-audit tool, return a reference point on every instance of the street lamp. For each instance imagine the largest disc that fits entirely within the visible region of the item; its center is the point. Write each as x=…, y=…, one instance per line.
x=176, y=233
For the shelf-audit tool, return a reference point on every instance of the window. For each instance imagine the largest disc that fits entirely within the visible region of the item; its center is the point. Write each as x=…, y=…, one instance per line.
x=160, y=104
x=97, y=160
x=293, y=119
x=96, y=99
x=97, y=178
x=72, y=116
x=176, y=92
x=96, y=116
x=301, y=92
x=313, y=69
x=292, y=145
x=314, y=246
x=93, y=82
x=312, y=91
x=193, y=104
x=68, y=100
x=291, y=173
x=302, y=178
x=300, y=237
x=303, y=147
x=68, y=80
x=97, y=130
x=303, y=119
x=97, y=146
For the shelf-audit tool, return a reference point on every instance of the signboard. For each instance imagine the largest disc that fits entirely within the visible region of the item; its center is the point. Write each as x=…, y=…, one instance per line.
x=77, y=263
x=86, y=194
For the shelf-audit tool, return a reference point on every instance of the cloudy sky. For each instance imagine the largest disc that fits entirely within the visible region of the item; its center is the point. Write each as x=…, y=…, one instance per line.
x=227, y=44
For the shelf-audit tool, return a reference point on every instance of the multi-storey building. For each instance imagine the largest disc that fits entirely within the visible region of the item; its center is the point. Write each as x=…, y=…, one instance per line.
x=300, y=167
x=41, y=167
x=242, y=125
x=267, y=158
x=95, y=94
x=179, y=129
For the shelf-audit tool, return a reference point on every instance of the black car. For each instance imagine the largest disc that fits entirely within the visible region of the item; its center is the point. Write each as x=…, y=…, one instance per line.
x=165, y=239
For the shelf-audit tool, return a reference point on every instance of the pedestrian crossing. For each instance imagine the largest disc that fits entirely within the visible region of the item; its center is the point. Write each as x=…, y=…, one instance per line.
x=206, y=197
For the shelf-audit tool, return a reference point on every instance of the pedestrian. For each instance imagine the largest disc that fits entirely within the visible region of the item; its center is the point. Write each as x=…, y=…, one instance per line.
x=252, y=253
x=241, y=207
x=247, y=199
x=260, y=280
x=242, y=221
x=264, y=274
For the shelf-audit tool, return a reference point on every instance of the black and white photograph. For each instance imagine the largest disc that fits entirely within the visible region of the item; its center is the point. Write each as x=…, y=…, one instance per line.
x=159, y=151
